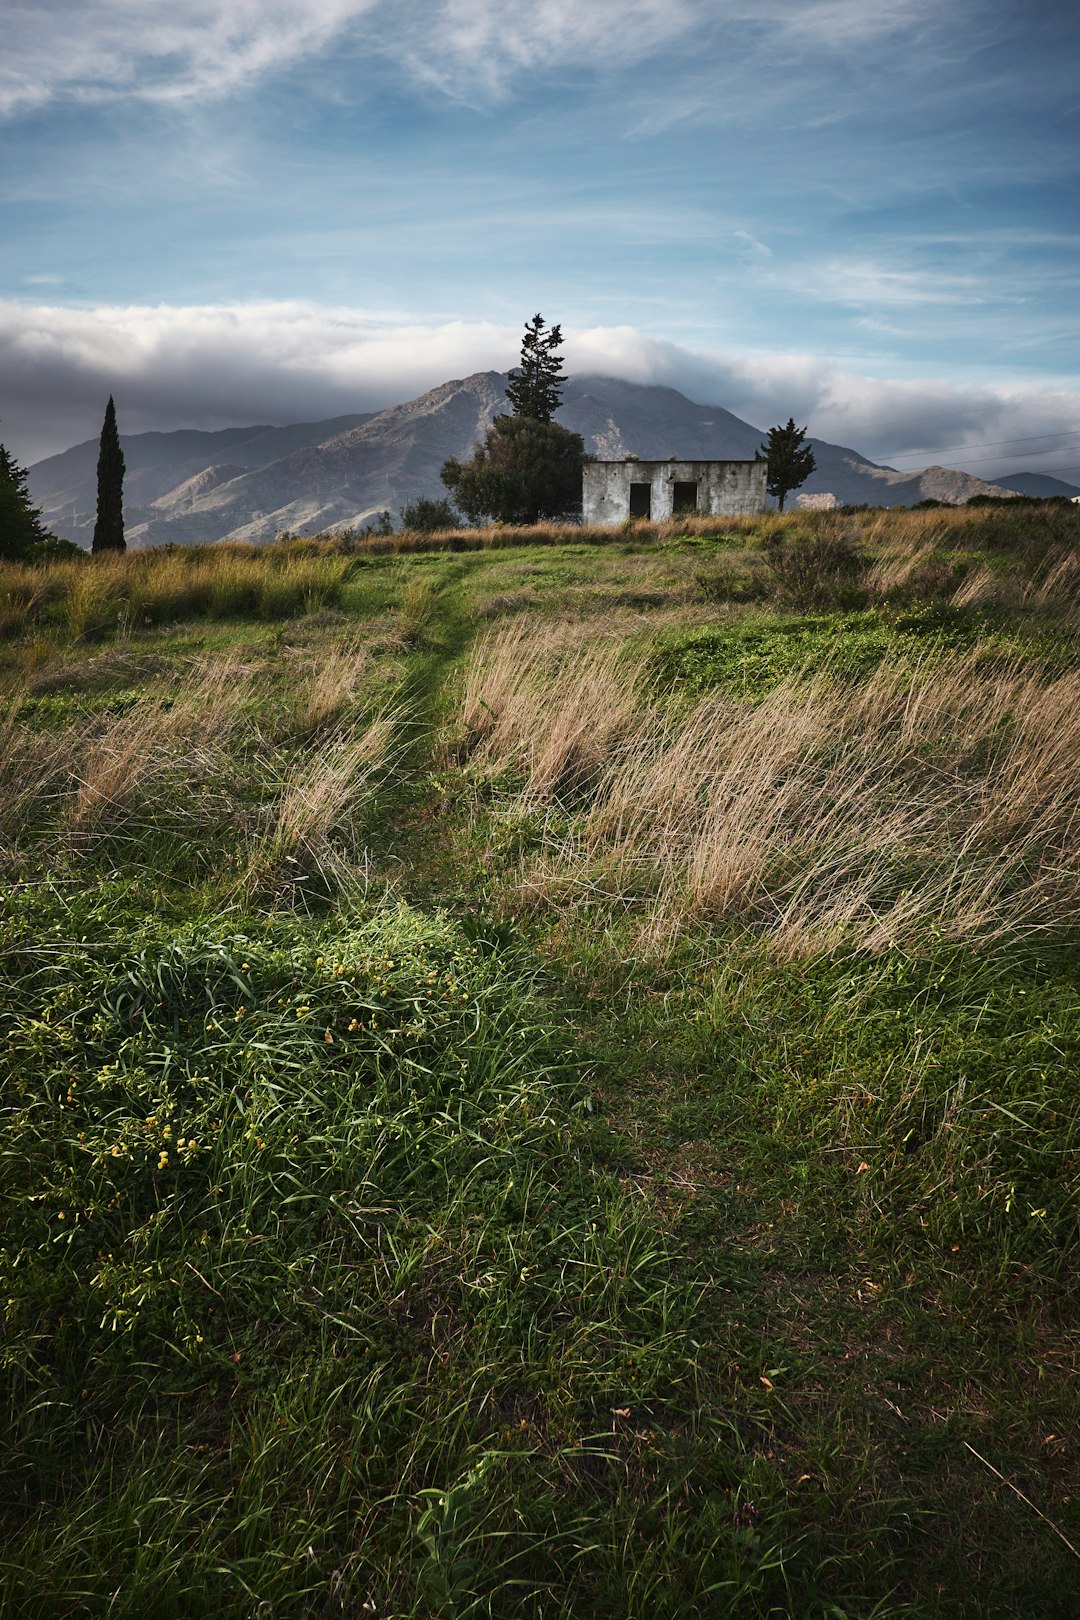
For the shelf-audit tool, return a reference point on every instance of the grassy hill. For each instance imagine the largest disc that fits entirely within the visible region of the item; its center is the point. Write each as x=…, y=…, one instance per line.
x=540, y=1073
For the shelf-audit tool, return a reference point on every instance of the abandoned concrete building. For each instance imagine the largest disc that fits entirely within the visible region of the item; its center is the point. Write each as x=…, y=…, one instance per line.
x=614, y=491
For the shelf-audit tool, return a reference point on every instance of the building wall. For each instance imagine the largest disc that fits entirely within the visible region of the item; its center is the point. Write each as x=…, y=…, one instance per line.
x=724, y=487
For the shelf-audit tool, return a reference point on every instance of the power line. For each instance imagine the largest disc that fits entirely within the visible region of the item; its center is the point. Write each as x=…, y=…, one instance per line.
x=1051, y=472
x=990, y=444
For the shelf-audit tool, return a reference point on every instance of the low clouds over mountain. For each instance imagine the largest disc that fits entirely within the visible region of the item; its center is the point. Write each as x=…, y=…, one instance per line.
x=219, y=365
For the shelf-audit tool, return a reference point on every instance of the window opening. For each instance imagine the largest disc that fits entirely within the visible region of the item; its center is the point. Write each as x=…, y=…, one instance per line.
x=685, y=499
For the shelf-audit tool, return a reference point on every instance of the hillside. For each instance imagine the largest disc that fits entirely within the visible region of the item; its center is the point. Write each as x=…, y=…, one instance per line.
x=1040, y=485
x=539, y=1074
x=253, y=483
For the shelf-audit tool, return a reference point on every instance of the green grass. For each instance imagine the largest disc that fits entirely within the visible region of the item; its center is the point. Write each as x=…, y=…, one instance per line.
x=378, y=1238
x=757, y=653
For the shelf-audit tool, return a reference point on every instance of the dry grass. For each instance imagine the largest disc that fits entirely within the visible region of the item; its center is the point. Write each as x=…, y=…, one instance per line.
x=546, y=705
x=96, y=773
x=161, y=733
x=1057, y=582
x=937, y=798
x=34, y=768
x=191, y=759
x=329, y=688
x=315, y=820
x=88, y=597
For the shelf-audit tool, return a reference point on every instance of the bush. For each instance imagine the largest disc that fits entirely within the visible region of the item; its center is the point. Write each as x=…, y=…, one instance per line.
x=820, y=569
x=425, y=516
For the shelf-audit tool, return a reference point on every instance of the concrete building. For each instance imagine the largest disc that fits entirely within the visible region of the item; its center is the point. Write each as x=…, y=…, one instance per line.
x=616, y=490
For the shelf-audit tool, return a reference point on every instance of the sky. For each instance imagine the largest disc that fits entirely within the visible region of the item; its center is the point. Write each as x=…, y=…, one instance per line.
x=861, y=213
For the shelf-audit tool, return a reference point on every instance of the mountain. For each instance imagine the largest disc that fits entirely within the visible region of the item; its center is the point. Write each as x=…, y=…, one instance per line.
x=1041, y=485
x=251, y=483
x=159, y=464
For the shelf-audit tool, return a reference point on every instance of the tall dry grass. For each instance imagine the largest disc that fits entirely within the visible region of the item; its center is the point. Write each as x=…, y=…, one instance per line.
x=95, y=772
x=34, y=769
x=87, y=597
x=314, y=823
x=191, y=759
x=330, y=686
x=940, y=796
x=165, y=731
x=546, y=705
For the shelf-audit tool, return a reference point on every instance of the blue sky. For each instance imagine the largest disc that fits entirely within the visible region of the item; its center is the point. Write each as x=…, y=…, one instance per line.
x=865, y=215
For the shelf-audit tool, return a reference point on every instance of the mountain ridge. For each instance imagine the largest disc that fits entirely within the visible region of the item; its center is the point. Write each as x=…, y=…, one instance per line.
x=252, y=483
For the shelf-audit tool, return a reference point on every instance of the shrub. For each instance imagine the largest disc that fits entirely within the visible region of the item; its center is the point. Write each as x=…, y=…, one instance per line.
x=426, y=516
x=819, y=569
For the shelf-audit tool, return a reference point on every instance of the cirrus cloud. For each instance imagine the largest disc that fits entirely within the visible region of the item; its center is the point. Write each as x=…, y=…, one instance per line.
x=97, y=50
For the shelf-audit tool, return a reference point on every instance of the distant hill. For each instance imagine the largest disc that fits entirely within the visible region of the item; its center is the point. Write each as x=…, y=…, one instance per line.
x=251, y=483
x=1041, y=485
x=159, y=464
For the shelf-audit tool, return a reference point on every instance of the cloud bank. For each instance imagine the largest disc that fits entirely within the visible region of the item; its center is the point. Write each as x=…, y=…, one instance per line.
x=222, y=365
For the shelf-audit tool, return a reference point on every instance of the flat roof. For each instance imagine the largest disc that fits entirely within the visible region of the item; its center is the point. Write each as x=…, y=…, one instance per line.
x=680, y=461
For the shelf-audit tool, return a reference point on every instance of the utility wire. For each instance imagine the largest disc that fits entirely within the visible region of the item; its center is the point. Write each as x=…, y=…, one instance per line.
x=990, y=444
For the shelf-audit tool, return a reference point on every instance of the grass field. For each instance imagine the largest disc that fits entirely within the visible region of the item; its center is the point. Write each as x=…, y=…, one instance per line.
x=540, y=1074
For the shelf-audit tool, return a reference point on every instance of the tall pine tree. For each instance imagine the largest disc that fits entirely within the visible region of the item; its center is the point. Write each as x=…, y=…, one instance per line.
x=20, y=523
x=528, y=467
x=109, y=528
x=535, y=388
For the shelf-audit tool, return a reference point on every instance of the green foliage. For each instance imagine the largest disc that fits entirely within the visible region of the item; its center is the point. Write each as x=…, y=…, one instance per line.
x=381, y=524
x=21, y=530
x=756, y=654
x=525, y=469
x=426, y=516
x=53, y=549
x=109, y=524
x=335, y=1195
x=535, y=388
x=790, y=461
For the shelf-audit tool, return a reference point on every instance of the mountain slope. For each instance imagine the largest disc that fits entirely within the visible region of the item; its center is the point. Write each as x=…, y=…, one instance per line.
x=252, y=483
x=1041, y=485
x=157, y=464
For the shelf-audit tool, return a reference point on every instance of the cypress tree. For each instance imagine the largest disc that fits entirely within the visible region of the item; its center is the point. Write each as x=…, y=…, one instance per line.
x=109, y=527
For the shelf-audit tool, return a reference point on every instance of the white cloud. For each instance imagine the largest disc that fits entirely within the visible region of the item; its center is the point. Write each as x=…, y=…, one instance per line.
x=218, y=365
x=158, y=52
x=867, y=282
x=212, y=365
x=851, y=22
x=204, y=48
x=192, y=49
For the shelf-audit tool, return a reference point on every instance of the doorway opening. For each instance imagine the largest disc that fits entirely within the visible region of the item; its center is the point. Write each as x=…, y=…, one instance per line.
x=641, y=500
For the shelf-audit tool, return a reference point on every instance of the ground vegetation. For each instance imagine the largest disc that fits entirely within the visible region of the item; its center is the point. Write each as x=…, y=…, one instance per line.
x=539, y=1073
